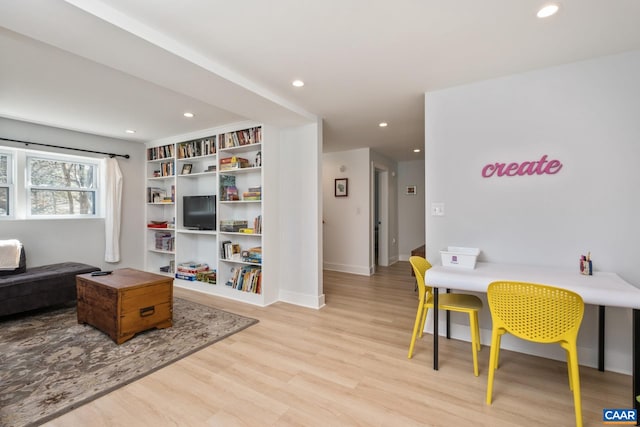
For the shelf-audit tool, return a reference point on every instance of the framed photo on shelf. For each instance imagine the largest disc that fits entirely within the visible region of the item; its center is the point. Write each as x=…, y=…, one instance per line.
x=411, y=190
x=186, y=168
x=341, y=187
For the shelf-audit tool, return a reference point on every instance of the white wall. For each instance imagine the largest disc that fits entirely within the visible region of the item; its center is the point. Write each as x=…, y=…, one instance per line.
x=411, y=222
x=346, y=232
x=299, y=216
x=81, y=240
x=585, y=115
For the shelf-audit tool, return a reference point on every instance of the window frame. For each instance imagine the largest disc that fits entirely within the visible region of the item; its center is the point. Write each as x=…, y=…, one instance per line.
x=21, y=187
x=10, y=184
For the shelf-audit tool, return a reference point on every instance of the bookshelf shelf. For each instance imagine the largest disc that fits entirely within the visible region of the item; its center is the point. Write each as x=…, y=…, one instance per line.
x=160, y=251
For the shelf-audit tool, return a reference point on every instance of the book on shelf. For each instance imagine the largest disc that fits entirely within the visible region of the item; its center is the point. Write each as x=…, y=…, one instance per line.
x=251, y=195
x=162, y=152
x=246, y=279
x=207, y=276
x=253, y=255
x=232, y=225
x=186, y=276
x=231, y=251
x=257, y=224
x=197, y=148
x=156, y=195
x=192, y=267
x=234, y=162
x=228, y=190
x=241, y=137
x=164, y=241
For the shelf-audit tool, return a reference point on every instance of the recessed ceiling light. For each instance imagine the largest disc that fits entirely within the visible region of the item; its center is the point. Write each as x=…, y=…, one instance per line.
x=547, y=11
x=298, y=83
x=383, y=124
x=416, y=150
x=189, y=115
x=130, y=131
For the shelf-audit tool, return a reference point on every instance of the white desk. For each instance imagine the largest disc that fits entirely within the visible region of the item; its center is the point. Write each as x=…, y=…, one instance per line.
x=601, y=289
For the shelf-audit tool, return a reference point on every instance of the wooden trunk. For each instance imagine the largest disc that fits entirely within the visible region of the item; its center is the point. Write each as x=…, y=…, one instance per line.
x=125, y=302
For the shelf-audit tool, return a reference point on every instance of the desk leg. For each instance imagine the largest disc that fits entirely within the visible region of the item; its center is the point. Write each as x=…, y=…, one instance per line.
x=435, y=328
x=601, y=338
x=635, y=356
x=448, y=320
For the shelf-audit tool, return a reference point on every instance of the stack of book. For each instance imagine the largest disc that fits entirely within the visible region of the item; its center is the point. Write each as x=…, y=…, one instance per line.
x=164, y=241
x=232, y=225
x=207, y=276
x=253, y=255
x=234, y=162
x=253, y=193
x=190, y=270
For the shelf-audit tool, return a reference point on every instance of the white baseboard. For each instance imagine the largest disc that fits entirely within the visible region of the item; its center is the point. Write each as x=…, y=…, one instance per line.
x=343, y=268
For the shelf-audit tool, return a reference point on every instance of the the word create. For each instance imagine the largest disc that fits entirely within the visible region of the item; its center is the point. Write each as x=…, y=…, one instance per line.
x=539, y=167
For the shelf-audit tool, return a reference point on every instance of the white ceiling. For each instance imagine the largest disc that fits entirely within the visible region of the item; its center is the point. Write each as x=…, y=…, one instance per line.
x=106, y=66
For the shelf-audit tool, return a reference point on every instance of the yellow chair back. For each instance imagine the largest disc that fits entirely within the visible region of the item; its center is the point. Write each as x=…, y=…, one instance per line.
x=420, y=266
x=539, y=313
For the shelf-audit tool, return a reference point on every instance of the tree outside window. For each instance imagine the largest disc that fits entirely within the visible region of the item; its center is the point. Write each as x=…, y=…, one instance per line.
x=61, y=187
x=4, y=185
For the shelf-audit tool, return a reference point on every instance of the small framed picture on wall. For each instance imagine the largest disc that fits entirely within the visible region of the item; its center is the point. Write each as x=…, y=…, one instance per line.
x=411, y=190
x=341, y=187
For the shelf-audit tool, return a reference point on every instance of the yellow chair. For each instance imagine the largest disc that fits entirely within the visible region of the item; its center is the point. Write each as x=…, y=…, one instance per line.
x=463, y=303
x=538, y=313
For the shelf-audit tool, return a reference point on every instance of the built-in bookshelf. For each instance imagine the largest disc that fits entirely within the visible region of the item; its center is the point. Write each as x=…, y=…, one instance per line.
x=226, y=260
x=160, y=208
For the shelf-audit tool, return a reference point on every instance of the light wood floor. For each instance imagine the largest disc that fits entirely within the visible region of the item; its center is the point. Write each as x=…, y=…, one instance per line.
x=346, y=365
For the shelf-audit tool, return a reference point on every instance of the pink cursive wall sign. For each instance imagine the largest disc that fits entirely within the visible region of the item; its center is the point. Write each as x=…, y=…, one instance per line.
x=539, y=167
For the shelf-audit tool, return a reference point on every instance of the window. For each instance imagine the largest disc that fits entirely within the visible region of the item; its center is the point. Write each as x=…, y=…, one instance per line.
x=6, y=181
x=61, y=187
x=40, y=185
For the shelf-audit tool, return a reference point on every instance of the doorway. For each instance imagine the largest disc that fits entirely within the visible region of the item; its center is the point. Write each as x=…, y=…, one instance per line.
x=380, y=217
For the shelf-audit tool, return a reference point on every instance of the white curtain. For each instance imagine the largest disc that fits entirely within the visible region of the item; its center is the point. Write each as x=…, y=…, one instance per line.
x=113, y=211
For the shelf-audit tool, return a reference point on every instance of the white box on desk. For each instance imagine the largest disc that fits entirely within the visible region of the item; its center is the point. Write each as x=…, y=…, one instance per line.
x=456, y=256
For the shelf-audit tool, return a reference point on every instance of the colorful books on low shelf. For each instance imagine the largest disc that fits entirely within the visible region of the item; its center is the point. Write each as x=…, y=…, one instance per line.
x=246, y=279
x=191, y=270
x=207, y=277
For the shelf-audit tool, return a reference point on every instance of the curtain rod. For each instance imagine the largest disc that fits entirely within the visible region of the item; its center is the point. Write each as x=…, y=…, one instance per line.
x=126, y=156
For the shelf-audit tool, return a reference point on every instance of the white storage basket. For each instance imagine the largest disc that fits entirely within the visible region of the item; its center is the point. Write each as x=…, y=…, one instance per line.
x=455, y=256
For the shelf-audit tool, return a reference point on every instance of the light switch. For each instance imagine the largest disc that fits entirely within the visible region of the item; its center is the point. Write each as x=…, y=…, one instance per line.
x=437, y=209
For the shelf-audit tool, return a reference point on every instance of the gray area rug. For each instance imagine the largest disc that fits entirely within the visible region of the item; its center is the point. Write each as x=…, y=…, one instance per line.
x=50, y=364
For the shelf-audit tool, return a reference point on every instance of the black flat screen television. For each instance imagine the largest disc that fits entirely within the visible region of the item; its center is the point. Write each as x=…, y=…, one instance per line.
x=199, y=212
